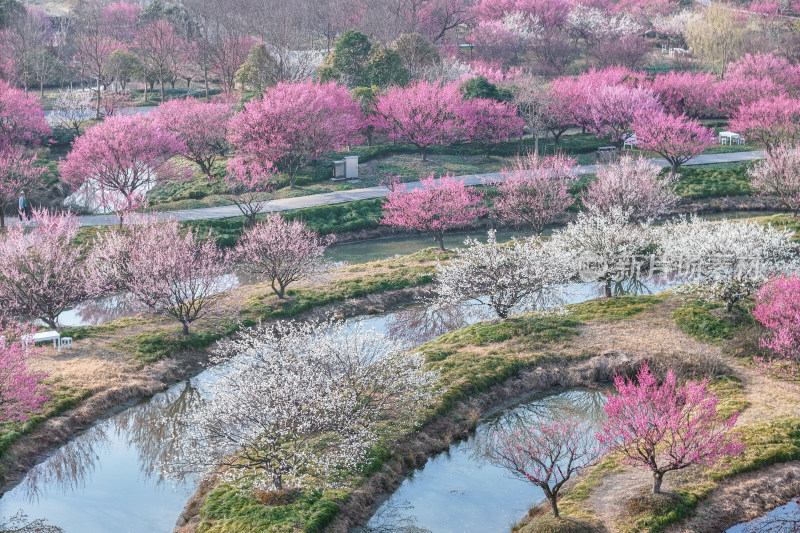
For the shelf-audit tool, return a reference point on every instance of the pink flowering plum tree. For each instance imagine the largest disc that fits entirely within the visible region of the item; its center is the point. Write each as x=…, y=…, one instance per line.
x=632, y=185
x=18, y=173
x=535, y=190
x=731, y=94
x=684, y=93
x=666, y=427
x=435, y=207
x=300, y=401
x=486, y=122
x=771, y=121
x=613, y=109
x=676, y=138
x=42, y=272
x=22, y=121
x=292, y=125
x=777, y=308
x=281, y=252
x=778, y=175
x=767, y=66
x=423, y=114
x=202, y=126
x=547, y=455
x=120, y=159
x=21, y=390
x=161, y=269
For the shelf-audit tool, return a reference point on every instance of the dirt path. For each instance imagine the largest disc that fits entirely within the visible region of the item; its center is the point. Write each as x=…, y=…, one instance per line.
x=768, y=399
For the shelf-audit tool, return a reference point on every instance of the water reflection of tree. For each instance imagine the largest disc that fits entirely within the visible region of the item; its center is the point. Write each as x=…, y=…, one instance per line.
x=102, y=310
x=422, y=324
x=784, y=519
x=394, y=518
x=154, y=428
x=69, y=468
x=19, y=523
x=583, y=405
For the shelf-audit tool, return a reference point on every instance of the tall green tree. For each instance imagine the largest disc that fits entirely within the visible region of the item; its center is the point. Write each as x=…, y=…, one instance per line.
x=480, y=87
x=385, y=68
x=260, y=70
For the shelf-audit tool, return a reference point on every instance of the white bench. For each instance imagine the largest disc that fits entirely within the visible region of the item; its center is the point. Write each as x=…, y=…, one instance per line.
x=44, y=336
x=630, y=141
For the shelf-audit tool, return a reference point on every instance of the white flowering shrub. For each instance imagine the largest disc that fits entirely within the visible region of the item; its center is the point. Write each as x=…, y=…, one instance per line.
x=294, y=402
x=605, y=247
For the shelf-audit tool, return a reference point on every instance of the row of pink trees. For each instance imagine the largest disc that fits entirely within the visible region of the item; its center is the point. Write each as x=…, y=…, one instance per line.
x=155, y=264
x=662, y=427
x=427, y=114
x=535, y=192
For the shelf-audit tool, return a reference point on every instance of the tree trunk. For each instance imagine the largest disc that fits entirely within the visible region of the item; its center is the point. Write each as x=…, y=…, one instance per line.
x=439, y=238
x=145, y=89
x=162, y=91
x=657, y=478
x=185, y=329
x=607, y=288
x=2, y=217
x=205, y=80
x=536, y=144
x=553, y=504
x=278, y=482
x=728, y=306
x=97, y=110
x=424, y=154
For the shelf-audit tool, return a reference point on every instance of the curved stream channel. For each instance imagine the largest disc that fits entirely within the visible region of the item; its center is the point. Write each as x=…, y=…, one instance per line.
x=107, y=477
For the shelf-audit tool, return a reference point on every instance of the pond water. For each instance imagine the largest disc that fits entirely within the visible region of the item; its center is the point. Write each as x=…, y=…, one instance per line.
x=783, y=519
x=107, y=478
x=460, y=491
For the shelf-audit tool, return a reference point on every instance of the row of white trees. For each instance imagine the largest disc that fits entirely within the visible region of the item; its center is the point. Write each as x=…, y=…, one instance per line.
x=725, y=260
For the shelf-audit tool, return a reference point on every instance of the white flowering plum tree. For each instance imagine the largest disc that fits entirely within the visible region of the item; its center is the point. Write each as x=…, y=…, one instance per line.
x=726, y=260
x=296, y=400
x=604, y=247
x=501, y=276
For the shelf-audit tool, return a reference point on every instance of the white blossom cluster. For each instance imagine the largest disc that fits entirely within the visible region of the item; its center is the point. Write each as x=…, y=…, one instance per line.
x=726, y=260
x=592, y=22
x=293, y=401
x=523, y=25
x=502, y=277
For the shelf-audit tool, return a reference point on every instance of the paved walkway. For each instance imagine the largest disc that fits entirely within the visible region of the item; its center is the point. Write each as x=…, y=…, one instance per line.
x=330, y=198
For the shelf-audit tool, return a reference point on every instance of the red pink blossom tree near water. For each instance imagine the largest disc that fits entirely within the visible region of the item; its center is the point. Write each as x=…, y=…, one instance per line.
x=162, y=269
x=280, y=252
x=547, y=455
x=535, y=190
x=435, y=207
x=42, y=272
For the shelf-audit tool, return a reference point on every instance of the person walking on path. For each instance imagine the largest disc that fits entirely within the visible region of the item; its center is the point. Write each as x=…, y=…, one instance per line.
x=23, y=207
